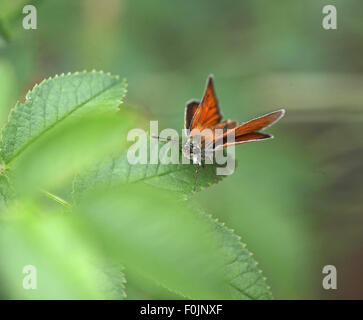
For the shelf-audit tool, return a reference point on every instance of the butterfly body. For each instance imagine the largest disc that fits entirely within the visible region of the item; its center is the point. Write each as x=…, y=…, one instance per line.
x=193, y=152
x=196, y=152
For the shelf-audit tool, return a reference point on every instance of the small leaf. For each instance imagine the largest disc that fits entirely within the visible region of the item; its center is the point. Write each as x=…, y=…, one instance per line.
x=52, y=102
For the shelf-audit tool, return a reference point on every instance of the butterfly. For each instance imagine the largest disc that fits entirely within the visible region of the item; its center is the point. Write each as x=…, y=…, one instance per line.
x=206, y=115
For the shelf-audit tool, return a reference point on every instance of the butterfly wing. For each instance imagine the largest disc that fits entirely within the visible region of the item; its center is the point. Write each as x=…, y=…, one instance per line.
x=225, y=125
x=249, y=137
x=247, y=131
x=190, y=110
x=259, y=123
x=207, y=114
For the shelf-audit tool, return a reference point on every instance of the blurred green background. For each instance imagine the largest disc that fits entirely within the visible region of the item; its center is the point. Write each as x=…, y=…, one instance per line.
x=295, y=200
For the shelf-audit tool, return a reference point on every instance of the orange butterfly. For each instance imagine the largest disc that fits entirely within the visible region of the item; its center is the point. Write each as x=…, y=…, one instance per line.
x=206, y=115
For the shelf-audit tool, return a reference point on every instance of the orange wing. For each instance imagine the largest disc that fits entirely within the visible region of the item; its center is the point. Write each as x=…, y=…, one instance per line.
x=225, y=125
x=249, y=137
x=247, y=131
x=260, y=123
x=207, y=114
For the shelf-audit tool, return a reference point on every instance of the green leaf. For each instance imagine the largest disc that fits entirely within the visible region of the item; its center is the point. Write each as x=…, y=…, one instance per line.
x=171, y=242
x=52, y=102
x=156, y=236
x=67, y=267
x=245, y=279
x=53, y=160
x=117, y=170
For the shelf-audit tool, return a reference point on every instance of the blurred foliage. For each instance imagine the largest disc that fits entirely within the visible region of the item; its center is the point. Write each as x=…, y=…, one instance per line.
x=67, y=266
x=295, y=200
x=173, y=248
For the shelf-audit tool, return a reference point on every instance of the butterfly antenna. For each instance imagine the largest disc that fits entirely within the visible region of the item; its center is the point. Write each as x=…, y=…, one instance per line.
x=196, y=177
x=164, y=139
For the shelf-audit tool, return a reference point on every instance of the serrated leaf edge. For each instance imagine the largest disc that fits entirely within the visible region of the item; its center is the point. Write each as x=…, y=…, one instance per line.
x=240, y=243
x=27, y=98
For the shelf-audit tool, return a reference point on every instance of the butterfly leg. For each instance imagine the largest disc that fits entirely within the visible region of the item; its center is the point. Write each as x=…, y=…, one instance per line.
x=196, y=177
